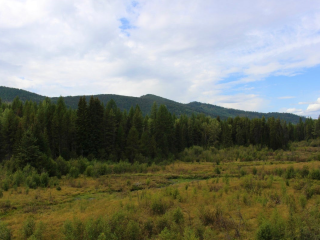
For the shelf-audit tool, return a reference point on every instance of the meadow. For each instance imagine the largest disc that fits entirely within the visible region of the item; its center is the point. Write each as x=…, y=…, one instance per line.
x=235, y=193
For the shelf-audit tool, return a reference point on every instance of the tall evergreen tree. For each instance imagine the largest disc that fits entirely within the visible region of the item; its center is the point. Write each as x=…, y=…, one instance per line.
x=137, y=121
x=132, y=147
x=95, y=126
x=317, y=128
x=58, y=127
x=82, y=127
x=110, y=131
x=9, y=129
x=29, y=152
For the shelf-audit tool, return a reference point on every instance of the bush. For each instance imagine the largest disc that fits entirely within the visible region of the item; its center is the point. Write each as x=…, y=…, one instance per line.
x=122, y=167
x=5, y=233
x=94, y=228
x=44, y=179
x=167, y=235
x=33, y=181
x=89, y=171
x=178, y=216
x=18, y=178
x=158, y=206
x=62, y=166
x=264, y=231
x=189, y=234
x=133, y=231
x=5, y=185
x=38, y=233
x=68, y=230
x=243, y=172
x=100, y=169
x=254, y=171
x=274, y=229
x=206, y=216
x=28, y=228
x=74, y=172
x=82, y=164
x=303, y=201
x=290, y=173
x=315, y=174
x=118, y=224
x=304, y=171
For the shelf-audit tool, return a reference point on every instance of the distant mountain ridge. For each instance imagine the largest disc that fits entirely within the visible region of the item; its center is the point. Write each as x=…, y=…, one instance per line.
x=145, y=102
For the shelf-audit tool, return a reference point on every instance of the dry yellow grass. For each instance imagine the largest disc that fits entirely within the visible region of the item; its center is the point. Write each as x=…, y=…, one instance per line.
x=197, y=183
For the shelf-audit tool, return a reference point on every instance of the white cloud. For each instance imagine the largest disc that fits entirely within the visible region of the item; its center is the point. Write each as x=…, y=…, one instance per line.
x=304, y=103
x=247, y=102
x=182, y=50
x=314, y=107
x=286, y=97
x=295, y=111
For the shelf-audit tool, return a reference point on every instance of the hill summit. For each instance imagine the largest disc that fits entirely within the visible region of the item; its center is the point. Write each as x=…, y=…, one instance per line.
x=145, y=102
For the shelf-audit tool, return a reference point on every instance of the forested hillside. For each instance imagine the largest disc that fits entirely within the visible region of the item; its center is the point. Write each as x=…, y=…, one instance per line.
x=145, y=102
x=34, y=134
x=98, y=166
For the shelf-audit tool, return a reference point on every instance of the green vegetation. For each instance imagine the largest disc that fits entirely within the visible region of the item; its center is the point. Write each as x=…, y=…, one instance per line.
x=38, y=134
x=267, y=198
x=101, y=173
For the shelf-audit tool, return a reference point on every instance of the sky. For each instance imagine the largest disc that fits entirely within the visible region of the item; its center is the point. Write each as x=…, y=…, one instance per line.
x=254, y=55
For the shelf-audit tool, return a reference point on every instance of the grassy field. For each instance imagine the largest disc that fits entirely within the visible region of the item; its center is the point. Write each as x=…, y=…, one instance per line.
x=277, y=197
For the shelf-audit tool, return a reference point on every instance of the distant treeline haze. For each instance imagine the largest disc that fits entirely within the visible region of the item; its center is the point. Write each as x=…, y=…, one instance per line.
x=34, y=134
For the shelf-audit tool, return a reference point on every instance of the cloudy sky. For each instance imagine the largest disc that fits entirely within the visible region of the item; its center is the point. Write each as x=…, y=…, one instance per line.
x=258, y=55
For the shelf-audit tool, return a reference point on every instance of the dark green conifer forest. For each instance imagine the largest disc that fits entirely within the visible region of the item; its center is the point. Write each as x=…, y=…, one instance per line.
x=37, y=134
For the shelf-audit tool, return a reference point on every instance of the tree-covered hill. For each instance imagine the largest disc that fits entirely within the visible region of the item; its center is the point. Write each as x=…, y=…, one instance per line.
x=145, y=102
x=8, y=94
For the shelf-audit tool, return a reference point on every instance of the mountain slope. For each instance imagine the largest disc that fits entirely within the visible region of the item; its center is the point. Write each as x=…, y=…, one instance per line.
x=145, y=102
x=8, y=94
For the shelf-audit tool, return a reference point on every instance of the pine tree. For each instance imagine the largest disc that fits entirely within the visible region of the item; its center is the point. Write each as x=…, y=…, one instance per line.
x=110, y=131
x=95, y=126
x=120, y=142
x=163, y=130
x=17, y=106
x=58, y=133
x=226, y=134
x=82, y=127
x=153, y=117
x=132, y=147
x=9, y=130
x=29, y=152
x=317, y=128
x=145, y=144
x=137, y=121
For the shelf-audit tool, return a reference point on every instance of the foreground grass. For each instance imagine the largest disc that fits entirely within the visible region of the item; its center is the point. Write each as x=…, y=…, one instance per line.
x=231, y=199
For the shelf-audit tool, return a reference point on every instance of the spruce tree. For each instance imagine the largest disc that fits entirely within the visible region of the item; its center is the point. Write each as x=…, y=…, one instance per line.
x=137, y=121
x=29, y=152
x=9, y=129
x=132, y=147
x=82, y=127
x=58, y=126
x=95, y=126
x=110, y=131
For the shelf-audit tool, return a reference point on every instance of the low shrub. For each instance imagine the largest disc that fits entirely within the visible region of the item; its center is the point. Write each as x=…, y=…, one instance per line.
x=158, y=206
x=28, y=228
x=74, y=172
x=5, y=232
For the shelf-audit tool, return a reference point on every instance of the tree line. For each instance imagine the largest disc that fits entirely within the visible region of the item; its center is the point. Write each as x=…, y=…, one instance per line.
x=35, y=134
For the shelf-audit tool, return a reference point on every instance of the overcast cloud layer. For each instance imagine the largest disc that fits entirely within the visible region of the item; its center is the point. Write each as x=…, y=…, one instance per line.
x=181, y=50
